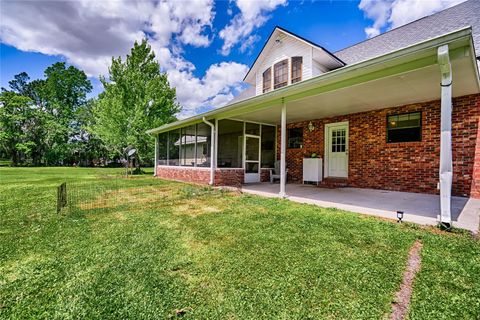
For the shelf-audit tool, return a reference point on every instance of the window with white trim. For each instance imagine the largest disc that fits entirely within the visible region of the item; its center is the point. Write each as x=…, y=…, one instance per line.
x=267, y=80
x=280, y=74
x=296, y=69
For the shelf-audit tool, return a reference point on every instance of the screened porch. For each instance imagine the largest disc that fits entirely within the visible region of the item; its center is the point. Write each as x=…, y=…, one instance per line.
x=245, y=145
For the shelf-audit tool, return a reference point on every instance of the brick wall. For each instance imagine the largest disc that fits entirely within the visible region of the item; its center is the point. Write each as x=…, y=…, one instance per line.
x=411, y=166
x=223, y=177
x=229, y=177
x=265, y=175
x=195, y=175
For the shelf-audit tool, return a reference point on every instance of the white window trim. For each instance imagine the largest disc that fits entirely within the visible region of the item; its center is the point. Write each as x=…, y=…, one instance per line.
x=288, y=71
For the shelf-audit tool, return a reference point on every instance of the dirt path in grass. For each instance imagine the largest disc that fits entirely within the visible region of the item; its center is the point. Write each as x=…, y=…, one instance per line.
x=402, y=299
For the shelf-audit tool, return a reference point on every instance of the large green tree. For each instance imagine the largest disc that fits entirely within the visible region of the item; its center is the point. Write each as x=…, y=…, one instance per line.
x=137, y=96
x=40, y=119
x=86, y=146
x=16, y=112
x=61, y=94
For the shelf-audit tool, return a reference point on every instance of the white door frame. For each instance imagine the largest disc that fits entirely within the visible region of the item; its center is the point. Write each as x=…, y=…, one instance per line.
x=251, y=177
x=327, y=143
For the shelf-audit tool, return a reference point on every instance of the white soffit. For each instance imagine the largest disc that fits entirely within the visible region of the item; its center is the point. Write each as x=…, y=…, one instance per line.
x=412, y=87
x=384, y=92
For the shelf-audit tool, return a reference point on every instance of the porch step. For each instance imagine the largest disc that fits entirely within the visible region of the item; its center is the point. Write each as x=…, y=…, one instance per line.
x=333, y=183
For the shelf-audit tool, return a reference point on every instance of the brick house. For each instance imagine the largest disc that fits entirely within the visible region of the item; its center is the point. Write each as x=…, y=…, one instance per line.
x=398, y=112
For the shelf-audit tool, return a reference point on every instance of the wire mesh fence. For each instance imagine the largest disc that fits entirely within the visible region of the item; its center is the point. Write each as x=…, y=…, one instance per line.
x=105, y=195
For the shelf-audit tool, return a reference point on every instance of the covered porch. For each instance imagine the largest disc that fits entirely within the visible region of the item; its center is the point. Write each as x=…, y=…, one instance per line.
x=343, y=117
x=417, y=207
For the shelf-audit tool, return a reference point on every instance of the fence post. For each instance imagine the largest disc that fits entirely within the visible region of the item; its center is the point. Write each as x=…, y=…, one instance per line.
x=61, y=196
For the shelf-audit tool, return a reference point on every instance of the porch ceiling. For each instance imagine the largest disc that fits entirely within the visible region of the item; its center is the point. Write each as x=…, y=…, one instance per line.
x=419, y=85
x=401, y=77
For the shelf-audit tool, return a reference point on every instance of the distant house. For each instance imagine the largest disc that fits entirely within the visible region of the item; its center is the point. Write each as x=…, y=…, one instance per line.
x=399, y=111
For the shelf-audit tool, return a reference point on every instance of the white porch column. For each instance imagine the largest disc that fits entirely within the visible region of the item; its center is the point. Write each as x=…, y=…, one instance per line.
x=446, y=169
x=283, y=149
x=212, y=150
x=156, y=156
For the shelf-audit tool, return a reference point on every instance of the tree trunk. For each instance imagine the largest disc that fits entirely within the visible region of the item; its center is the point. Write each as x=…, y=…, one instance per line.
x=14, y=158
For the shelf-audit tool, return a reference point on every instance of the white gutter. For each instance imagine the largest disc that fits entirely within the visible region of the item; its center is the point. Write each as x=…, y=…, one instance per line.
x=446, y=169
x=341, y=74
x=212, y=151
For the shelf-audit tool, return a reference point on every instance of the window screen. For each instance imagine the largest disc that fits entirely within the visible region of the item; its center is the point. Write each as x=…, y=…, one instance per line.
x=404, y=127
x=203, y=145
x=295, y=138
x=268, y=146
x=162, y=148
x=187, y=148
x=296, y=69
x=230, y=144
x=174, y=148
x=252, y=128
x=267, y=80
x=280, y=77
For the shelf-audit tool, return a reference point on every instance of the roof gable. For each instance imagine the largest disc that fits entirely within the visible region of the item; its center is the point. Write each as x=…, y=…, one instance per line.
x=277, y=34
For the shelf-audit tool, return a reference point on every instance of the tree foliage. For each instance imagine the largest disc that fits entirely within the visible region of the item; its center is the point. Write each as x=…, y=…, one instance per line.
x=39, y=118
x=50, y=121
x=136, y=96
x=15, y=114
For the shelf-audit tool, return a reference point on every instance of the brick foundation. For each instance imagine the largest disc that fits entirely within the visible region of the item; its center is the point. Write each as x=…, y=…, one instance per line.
x=223, y=177
x=229, y=177
x=187, y=174
x=411, y=166
x=265, y=175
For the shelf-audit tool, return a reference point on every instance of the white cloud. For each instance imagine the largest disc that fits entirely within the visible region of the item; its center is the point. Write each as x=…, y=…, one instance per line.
x=88, y=33
x=247, y=45
x=253, y=14
x=405, y=11
x=394, y=13
x=378, y=11
x=213, y=90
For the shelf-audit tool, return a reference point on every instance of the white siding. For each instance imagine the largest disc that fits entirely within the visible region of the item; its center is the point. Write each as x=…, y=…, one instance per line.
x=317, y=68
x=289, y=47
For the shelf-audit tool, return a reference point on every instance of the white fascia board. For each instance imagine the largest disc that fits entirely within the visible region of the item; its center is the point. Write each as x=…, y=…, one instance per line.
x=250, y=76
x=404, y=55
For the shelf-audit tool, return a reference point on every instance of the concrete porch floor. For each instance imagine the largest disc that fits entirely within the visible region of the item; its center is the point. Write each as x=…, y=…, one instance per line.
x=418, y=208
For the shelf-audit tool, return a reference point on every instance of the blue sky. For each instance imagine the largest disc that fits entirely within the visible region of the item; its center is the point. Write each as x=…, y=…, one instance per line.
x=205, y=47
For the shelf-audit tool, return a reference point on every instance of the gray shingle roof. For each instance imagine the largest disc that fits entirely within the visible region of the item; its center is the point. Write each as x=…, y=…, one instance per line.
x=457, y=17
x=466, y=14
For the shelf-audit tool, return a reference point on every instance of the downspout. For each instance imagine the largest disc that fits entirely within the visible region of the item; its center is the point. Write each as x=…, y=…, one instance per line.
x=156, y=156
x=446, y=168
x=212, y=151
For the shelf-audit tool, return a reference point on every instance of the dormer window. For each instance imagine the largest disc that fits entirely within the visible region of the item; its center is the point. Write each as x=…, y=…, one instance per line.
x=267, y=80
x=296, y=69
x=280, y=74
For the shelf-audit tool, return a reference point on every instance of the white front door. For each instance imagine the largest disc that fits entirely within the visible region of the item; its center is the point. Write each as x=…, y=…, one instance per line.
x=336, y=145
x=252, y=158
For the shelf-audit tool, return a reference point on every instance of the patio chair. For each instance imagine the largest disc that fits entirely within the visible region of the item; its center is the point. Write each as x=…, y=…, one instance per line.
x=275, y=173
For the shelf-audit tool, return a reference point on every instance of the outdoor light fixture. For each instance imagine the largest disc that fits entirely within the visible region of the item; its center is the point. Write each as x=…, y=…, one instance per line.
x=311, y=127
x=400, y=216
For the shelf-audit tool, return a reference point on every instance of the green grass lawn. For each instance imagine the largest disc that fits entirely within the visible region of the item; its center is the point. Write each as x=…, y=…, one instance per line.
x=143, y=248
